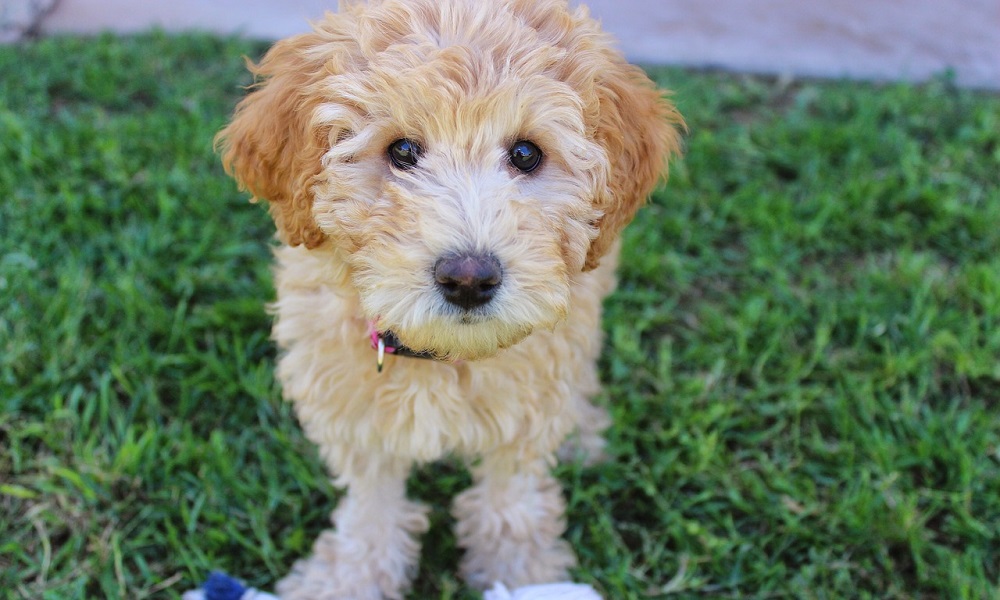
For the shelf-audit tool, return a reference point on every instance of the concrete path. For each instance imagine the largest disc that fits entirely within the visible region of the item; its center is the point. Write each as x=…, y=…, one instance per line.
x=872, y=39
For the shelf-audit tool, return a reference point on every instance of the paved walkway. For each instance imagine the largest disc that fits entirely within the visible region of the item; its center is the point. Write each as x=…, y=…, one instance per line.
x=877, y=39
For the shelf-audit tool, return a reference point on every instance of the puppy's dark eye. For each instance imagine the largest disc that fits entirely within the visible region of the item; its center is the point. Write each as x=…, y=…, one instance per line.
x=525, y=156
x=404, y=153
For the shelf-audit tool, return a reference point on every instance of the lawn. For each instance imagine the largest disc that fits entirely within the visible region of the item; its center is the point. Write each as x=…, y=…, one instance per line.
x=803, y=358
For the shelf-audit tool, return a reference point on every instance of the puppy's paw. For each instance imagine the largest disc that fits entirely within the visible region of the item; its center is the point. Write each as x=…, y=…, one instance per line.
x=332, y=575
x=511, y=530
x=518, y=563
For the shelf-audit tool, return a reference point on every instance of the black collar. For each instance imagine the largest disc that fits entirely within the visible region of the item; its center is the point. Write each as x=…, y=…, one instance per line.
x=387, y=343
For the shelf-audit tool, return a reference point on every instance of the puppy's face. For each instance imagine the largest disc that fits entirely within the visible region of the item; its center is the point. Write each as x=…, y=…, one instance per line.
x=467, y=160
x=461, y=196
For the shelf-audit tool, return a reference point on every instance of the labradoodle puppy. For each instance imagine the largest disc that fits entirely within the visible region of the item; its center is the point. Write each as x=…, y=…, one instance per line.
x=448, y=179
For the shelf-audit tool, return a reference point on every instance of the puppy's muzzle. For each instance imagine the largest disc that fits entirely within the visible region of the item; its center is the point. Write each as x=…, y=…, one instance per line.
x=468, y=281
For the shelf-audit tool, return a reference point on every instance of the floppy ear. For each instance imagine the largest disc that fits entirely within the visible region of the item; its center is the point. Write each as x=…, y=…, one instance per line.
x=271, y=146
x=638, y=129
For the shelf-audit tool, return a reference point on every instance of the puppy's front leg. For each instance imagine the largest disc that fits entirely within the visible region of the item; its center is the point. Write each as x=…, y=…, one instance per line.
x=372, y=552
x=510, y=524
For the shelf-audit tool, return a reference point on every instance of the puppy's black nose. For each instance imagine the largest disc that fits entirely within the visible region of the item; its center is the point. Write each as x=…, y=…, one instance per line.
x=468, y=280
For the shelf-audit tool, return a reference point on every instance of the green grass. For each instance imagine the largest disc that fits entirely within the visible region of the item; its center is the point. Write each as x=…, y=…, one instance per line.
x=803, y=359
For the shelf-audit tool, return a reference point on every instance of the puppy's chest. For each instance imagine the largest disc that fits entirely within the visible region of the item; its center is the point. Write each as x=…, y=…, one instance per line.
x=425, y=410
x=419, y=409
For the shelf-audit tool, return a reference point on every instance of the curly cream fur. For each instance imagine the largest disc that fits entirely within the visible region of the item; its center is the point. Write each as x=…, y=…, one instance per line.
x=465, y=79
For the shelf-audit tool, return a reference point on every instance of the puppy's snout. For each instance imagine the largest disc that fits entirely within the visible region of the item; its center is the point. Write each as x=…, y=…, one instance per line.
x=468, y=280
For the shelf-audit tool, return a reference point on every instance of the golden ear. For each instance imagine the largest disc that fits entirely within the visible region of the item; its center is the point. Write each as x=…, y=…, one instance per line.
x=638, y=129
x=271, y=147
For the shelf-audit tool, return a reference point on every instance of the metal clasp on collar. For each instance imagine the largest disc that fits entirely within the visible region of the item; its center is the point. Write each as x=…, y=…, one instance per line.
x=380, y=356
